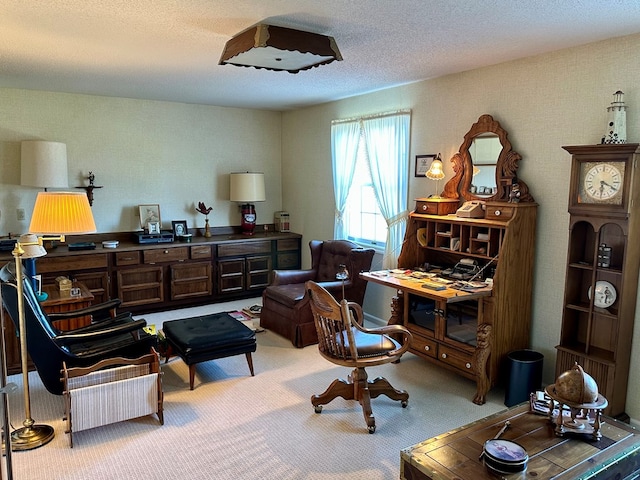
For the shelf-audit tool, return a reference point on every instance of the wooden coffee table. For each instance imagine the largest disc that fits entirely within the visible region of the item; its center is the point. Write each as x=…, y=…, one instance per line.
x=455, y=454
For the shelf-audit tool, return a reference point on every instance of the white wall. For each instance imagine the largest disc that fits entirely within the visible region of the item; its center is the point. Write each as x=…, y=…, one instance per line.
x=544, y=102
x=141, y=152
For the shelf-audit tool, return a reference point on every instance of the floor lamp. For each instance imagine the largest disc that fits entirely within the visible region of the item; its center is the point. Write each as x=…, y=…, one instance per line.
x=55, y=215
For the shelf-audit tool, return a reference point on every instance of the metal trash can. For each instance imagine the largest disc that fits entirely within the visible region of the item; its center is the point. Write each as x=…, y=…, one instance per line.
x=524, y=375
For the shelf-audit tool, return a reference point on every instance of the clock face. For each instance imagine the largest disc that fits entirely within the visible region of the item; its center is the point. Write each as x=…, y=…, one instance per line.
x=601, y=182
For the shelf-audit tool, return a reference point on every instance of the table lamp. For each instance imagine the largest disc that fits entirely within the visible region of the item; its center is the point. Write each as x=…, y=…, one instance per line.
x=54, y=215
x=247, y=188
x=436, y=173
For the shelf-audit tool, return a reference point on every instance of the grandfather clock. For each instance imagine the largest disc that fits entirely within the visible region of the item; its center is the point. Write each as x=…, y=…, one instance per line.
x=602, y=267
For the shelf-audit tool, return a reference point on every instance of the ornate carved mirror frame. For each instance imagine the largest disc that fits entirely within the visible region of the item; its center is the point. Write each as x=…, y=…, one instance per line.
x=506, y=166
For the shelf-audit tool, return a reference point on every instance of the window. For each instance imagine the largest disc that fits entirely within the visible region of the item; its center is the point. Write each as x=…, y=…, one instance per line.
x=364, y=222
x=370, y=158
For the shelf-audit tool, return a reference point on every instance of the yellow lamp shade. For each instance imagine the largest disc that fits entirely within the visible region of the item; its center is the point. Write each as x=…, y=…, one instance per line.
x=62, y=213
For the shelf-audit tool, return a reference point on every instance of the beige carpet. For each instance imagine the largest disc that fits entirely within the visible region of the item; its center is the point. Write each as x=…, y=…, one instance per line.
x=234, y=426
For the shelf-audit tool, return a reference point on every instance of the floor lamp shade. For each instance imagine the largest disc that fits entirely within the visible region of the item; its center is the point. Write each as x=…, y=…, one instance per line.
x=247, y=188
x=43, y=164
x=65, y=213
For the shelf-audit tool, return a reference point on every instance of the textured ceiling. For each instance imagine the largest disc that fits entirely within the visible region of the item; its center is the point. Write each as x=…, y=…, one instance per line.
x=169, y=49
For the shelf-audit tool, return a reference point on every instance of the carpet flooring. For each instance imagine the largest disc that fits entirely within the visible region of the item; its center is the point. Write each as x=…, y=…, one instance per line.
x=234, y=426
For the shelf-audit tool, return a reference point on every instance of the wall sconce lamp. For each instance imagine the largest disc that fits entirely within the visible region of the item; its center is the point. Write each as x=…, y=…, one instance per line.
x=56, y=214
x=436, y=173
x=247, y=188
x=43, y=164
x=279, y=48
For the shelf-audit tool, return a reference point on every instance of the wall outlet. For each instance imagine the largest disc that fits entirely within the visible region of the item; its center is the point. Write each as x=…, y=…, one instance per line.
x=20, y=214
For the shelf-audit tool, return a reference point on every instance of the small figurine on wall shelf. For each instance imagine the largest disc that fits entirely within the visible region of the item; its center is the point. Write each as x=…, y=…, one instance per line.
x=203, y=209
x=89, y=188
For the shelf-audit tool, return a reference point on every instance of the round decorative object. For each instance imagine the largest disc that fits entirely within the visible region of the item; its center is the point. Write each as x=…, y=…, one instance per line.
x=576, y=386
x=110, y=243
x=605, y=294
x=505, y=456
x=422, y=237
x=601, y=182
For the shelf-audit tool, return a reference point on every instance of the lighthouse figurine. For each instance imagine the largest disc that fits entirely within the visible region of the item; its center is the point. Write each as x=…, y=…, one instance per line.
x=617, y=120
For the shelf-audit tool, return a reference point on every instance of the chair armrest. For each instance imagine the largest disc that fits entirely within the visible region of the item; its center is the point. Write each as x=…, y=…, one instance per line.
x=90, y=310
x=286, y=277
x=102, y=324
x=390, y=330
x=71, y=338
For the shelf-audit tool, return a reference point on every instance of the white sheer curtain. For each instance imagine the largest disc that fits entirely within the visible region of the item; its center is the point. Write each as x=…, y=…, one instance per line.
x=387, y=141
x=344, y=152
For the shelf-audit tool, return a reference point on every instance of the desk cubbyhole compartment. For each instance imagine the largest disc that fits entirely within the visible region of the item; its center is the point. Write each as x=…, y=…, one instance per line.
x=421, y=311
x=443, y=235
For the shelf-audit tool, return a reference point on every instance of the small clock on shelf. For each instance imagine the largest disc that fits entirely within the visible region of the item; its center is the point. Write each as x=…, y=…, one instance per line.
x=600, y=179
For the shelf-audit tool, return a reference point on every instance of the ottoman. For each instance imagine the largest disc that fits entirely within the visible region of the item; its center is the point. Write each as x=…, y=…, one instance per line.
x=207, y=337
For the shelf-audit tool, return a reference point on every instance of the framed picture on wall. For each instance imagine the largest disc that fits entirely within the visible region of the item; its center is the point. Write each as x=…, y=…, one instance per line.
x=423, y=163
x=149, y=214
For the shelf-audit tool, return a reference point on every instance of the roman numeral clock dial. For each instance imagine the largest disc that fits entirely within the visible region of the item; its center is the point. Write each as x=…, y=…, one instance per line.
x=601, y=182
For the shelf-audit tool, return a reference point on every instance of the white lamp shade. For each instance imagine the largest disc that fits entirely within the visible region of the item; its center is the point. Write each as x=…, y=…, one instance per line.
x=43, y=164
x=62, y=213
x=247, y=187
x=31, y=246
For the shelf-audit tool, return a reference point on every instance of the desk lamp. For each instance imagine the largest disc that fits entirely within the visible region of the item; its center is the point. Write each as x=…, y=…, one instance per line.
x=247, y=188
x=32, y=250
x=436, y=173
x=57, y=214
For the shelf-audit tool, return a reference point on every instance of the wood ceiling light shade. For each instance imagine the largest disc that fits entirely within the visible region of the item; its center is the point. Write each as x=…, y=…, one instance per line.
x=280, y=49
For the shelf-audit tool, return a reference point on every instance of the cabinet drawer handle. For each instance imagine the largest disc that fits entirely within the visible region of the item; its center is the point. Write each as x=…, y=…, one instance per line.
x=427, y=348
x=126, y=258
x=497, y=213
x=165, y=252
x=468, y=365
x=444, y=355
x=424, y=207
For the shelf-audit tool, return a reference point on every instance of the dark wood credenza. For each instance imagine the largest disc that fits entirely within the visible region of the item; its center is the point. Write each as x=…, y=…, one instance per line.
x=163, y=276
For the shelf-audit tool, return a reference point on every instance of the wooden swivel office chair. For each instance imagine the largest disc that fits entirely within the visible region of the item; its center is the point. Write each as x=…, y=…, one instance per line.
x=344, y=341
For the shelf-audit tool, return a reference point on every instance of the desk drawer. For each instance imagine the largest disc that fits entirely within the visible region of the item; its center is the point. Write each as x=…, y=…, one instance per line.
x=425, y=346
x=127, y=258
x=287, y=244
x=159, y=255
x=499, y=211
x=456, y=358
x=201, y=251
x=244, y=248
x=72, y=263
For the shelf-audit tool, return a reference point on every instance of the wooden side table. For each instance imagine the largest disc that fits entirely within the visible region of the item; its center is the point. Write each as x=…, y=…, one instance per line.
x=455, y=454
x=57, y=303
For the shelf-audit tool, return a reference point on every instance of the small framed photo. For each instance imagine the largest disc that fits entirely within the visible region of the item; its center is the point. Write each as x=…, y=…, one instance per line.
x=149, y=214
x=153, y=227
x=423, y=163
x=179, y=228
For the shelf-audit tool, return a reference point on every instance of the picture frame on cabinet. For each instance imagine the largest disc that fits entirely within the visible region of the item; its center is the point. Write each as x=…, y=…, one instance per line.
x=423, y=163
x=149, y=214
x=179, y=228
x=153, y=228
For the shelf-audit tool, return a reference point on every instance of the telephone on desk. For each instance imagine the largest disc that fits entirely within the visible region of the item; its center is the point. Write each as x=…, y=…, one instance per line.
x=471, y=209
x=465, y=269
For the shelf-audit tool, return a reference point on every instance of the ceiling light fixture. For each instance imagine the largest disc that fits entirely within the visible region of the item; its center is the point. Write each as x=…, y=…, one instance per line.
x=280, y=49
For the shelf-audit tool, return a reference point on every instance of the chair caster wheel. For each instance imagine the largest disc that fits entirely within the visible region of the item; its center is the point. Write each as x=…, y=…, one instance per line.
x=404, y=403
x=371, y=428
x=318, y=408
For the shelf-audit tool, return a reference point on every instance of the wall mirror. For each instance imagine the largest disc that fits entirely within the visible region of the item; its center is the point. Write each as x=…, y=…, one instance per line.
x=485, y=166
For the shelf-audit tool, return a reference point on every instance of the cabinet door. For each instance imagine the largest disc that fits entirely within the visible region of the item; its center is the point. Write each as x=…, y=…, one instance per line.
x=97, y=283
x=190, y=280
x=140, y=286
x=230, y=275
x=258, y=269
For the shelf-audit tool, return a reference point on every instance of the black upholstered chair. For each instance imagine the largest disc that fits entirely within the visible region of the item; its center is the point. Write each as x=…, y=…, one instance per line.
x=48, y=347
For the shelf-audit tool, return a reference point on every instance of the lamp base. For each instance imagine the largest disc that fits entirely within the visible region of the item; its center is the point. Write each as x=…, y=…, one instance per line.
x=248, y=224
x=28, y=438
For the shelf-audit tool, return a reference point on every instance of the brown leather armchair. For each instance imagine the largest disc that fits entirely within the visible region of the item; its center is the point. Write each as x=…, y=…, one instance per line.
x=285, y=304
